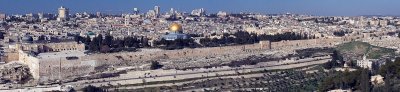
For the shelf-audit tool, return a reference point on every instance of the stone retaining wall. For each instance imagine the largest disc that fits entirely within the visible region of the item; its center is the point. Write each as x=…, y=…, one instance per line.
x=49, y=68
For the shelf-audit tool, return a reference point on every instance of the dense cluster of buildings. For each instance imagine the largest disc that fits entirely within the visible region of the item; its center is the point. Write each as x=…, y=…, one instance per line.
x=154, y=24
x=48, y=38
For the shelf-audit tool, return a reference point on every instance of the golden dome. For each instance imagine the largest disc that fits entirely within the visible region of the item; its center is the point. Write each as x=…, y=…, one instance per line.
x=175, y=27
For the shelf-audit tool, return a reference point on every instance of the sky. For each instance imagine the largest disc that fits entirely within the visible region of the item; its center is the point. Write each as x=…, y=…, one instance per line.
x=309, y=7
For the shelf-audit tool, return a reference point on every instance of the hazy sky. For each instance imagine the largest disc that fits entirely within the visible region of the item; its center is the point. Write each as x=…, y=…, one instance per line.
x=311, y=7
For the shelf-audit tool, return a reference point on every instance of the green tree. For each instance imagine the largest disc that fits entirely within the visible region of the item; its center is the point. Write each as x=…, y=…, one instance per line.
x=105, y=48
x=337, y=60
x=144, y=42
x=391, y=69
x=365, y=85
x=2, y=35
x=91, y=88
x=357, y=80
x=100, y=39
x=155, y=65
x=87, y=40
x=95, y=44
x=108, y=40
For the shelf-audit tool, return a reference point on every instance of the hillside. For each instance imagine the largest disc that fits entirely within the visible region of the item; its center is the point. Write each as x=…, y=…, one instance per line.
x=357, y=49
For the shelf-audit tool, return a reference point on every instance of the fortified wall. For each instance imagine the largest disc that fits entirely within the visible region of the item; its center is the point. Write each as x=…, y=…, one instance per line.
x=149, y=55
x=73, y=63
x=57, y=65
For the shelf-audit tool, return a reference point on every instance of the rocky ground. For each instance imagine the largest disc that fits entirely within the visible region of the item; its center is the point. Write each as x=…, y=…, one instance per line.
x=14, y=73
x=235, y=60
x=291, y=80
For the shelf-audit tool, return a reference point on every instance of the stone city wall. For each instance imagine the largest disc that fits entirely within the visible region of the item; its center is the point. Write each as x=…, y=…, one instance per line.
x=12, y=56
x=31, y=61
x=50, y=67
x=145, y=56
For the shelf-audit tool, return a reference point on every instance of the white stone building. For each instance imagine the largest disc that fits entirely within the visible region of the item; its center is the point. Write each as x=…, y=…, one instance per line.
x=365, y=63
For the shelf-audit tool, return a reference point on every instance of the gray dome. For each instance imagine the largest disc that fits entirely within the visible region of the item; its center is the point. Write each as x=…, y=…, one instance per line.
x=27, y=38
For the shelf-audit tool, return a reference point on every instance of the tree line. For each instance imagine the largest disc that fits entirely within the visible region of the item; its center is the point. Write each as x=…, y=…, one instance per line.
x=391, y=73
x=226, y=39
x=337, y=61
x=339, y=33
x=286, y=36
x=360, y=79
x=176, y=44
x=243, y=37
x=109, y=44
x=356, y=80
